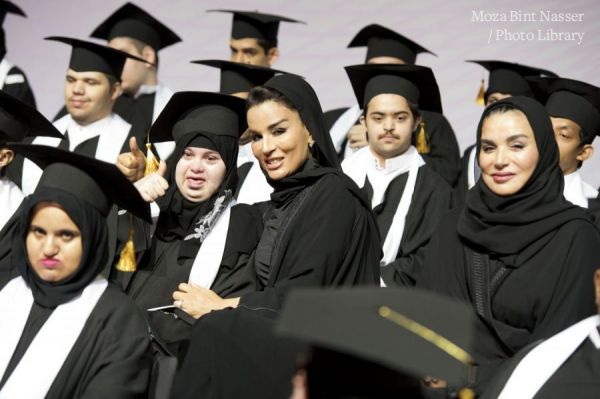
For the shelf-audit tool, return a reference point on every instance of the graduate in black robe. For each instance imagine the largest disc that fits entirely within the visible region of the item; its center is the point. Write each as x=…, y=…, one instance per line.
x=12, y=79
x=212, y=122
x=506, y=79
x=523, y=260
x=407, y=208
x=435, y=140
x=318, y=232
x=110, y=355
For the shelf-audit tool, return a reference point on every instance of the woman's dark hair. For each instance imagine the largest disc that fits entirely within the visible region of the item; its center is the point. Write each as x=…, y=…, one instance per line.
x=502, y=109
x=261, y=94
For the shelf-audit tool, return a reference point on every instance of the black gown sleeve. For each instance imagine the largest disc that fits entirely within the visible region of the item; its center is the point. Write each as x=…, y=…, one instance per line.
x=333, y=242
x=444, y=154
x=462, y=184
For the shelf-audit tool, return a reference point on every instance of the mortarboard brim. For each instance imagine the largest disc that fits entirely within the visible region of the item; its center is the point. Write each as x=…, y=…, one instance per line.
x=18, y=120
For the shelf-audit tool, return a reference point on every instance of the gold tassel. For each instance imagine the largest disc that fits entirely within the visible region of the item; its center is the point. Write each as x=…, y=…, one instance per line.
x=151, y=161
x=480, y=100
x=466, y=393
x=127, y=261
x=421, y=143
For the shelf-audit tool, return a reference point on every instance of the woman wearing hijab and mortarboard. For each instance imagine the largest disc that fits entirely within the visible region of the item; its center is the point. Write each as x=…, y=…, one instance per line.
x=201, y=239
x=517, y=251
x=318, y=232
x=66, y=332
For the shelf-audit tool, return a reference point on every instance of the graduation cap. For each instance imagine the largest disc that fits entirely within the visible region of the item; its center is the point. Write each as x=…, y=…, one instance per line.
x=383, y=42
x=415, y=83
x=248, y=24
x=18, y=120
x=237, y=77
x=412, y=332
x=197, y=111
x=508, y=78
x=7, y=7
x=99, y=183
x=131, y=21
x=570, y=99
x=92, y=57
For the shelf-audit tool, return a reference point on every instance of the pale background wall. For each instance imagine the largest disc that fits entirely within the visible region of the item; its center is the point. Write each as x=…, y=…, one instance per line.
x=317, y=50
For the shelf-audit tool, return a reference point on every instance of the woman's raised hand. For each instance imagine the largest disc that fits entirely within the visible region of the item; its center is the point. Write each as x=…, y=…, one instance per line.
x=154, y=185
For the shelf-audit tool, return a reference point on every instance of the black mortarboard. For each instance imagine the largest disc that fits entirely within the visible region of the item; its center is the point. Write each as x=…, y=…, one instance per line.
x=383, y=42
x=99, y=183
x=196, y=111
x=570, y=99
x=18, y=120
x=93, y=57
x=248, y=24
x=414, y=332
x=509, y=78
x=131, y=21
x=7, y=7
x=237, y=77
x=415, y=83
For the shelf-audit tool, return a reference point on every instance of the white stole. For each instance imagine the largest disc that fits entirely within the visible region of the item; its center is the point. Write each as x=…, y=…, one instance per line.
x=356, y=167
x=255, y=187
x=471, y=169
x=339, y=130
x=208, y=259
x=5, y=66
x=542, y=362
x=44, y=358
x=111, y=140
x=577, y=191
x=10, y=199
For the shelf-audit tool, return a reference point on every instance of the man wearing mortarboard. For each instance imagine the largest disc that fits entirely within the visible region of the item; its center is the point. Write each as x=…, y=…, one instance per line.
x=91, y=88
x=434, y=137
x=12, y=79
x=254, y=37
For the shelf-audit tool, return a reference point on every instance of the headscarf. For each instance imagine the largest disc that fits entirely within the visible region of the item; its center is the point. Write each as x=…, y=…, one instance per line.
x=94, y=237
x=180, y=218
x=305, y=100
x=508, y=225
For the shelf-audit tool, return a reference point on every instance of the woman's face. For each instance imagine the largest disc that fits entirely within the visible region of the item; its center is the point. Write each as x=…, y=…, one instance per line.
x=280, y=141
x=54, y=244
x=508, y=154
x=199, y=173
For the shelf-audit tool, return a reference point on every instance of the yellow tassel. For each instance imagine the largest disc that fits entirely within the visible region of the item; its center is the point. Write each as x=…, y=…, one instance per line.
x=421, y=142
x=127, y=261
x=466, y=393
x=480, y=100
x=151, y=161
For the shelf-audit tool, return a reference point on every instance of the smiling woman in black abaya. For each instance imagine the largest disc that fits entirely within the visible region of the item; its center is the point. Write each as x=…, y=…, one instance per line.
x=518, y=251
x=318, y=232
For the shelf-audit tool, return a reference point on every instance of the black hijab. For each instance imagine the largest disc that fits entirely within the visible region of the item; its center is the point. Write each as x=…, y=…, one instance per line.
x=507, y=225
x=324, y=158
x=178, y=216
x=94, y=235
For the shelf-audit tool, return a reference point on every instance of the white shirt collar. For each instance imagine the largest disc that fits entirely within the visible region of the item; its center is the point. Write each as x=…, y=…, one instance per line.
x=79, y=133
x=146, y=89
x=401, y=162
x=577, y=191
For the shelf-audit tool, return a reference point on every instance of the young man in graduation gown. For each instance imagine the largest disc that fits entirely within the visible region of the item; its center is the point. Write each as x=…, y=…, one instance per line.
x=435, y=140
x=574, y=108
x=12, y=79
x=564, y=365
x=92, y=86
x=408, y=198
x=506, y=79
x=254, y=37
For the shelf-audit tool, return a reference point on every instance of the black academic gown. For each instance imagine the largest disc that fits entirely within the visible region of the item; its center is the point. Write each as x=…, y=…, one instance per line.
x=19, y=90
x=328, y=238
x=578, y=377
x=159, y=274
x=549, y=291
x=110, y=359
x=430, y=202
x=462, y=184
